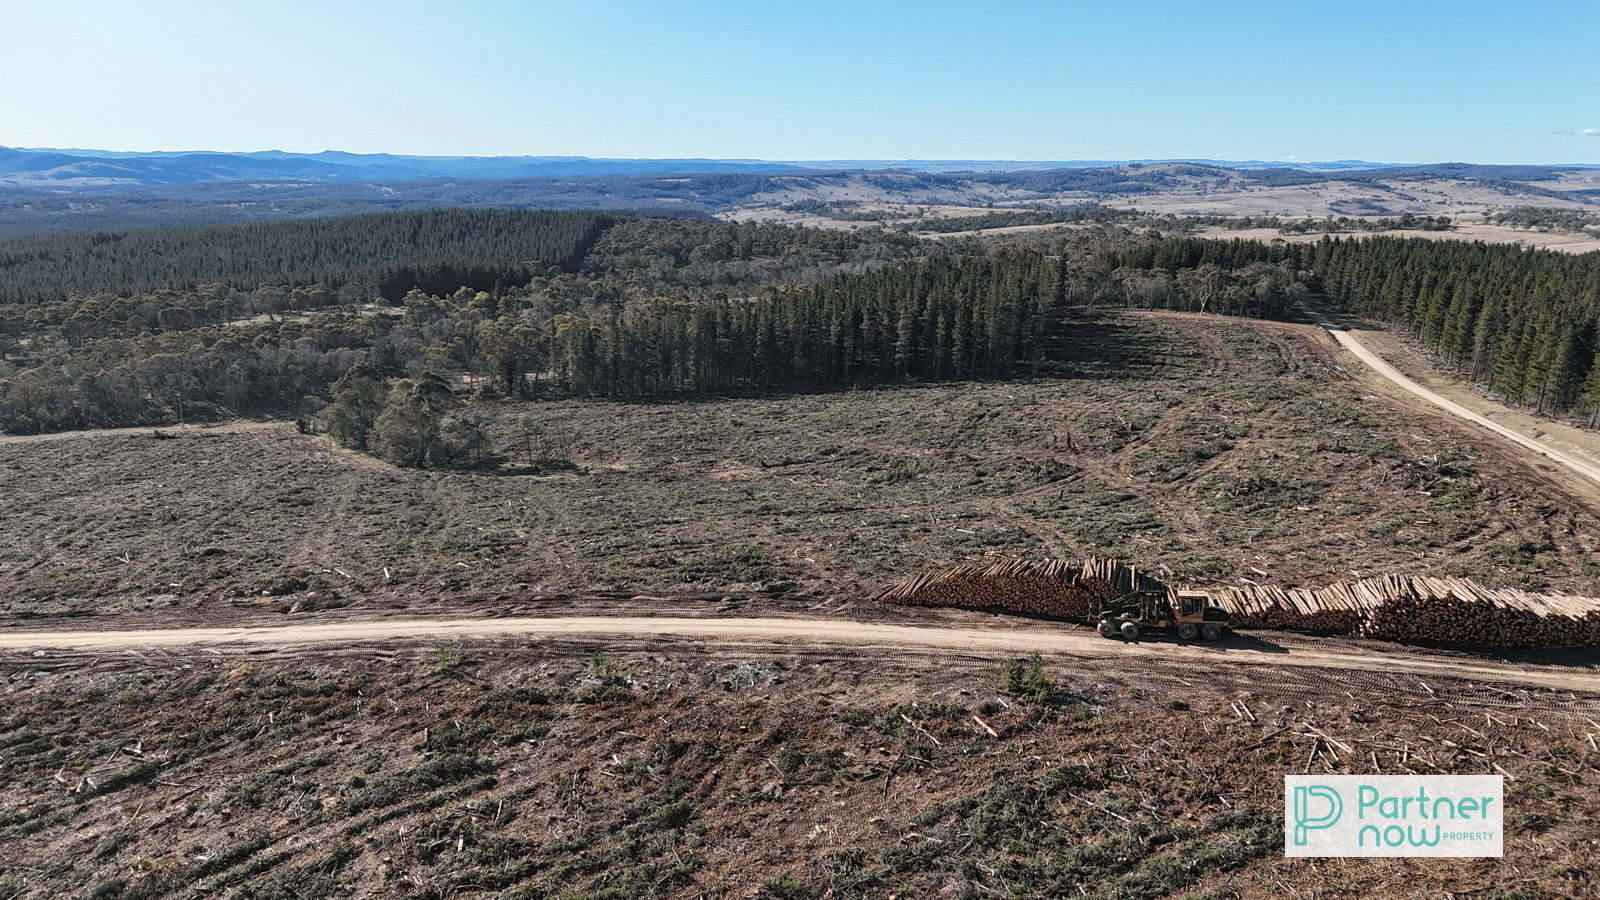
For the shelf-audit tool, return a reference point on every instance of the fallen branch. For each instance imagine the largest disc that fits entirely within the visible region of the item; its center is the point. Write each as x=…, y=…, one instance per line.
x=1102, y=809
x=920, y=730
x=1318, y=732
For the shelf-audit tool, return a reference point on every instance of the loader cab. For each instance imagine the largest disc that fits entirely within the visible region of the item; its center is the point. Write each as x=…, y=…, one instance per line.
x=1194, y=606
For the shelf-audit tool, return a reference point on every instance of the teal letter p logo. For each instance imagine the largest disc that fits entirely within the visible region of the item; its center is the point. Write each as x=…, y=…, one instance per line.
x=1304, y=821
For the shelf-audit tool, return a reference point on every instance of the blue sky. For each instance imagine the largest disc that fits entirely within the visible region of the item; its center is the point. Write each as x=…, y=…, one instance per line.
x=1386, y=81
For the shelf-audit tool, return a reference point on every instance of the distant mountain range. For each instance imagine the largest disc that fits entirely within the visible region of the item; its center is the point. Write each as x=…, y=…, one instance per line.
x=20, y=167
x=69, y=190
x=104, y=168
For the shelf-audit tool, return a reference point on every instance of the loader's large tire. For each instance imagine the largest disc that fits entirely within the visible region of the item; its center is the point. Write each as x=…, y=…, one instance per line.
x=1211, y=631
x=1188, y=631
x=1130, y=631
x=1105, y=628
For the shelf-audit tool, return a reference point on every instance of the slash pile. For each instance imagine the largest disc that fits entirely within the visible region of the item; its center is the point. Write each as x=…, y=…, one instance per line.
x=1053, y=588
x=1419, y=608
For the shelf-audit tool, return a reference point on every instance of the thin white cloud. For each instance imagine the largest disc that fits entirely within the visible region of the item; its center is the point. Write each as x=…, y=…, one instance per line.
x=1590, y=132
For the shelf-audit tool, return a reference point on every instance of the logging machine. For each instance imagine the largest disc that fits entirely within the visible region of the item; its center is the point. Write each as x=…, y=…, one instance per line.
x=1187, y=611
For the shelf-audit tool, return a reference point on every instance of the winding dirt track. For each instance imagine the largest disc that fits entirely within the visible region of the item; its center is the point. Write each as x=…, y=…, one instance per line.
x=831, y=631
x=1351, y=343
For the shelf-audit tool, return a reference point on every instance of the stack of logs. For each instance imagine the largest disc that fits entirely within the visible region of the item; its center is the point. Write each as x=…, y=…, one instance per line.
x=1053, y=588
x=1393, y=607
x=1332, y=610
x=1419, y=608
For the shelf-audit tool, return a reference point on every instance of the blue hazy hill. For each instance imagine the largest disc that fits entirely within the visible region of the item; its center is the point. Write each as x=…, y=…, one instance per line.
x=67, y=167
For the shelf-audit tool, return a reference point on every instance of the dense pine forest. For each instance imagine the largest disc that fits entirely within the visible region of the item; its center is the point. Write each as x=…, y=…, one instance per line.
x=393, y=331
x=1523, y=322
x=385, y=253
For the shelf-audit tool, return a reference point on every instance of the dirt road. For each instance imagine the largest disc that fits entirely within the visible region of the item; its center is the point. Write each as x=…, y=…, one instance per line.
x=1352, y=343
x=1242, y=650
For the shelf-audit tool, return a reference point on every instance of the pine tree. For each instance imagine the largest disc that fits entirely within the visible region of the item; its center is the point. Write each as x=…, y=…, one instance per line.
x=1463, y=314
x=1486, y=339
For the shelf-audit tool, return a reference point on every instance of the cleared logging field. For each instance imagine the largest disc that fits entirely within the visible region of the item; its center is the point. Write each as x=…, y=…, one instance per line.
x=1210, y=451
x=498, y=770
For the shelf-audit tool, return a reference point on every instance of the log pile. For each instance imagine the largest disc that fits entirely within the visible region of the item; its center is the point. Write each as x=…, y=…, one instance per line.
x=1419, y=608
x=1392, y=607
x=1332, y=610
x=1053, y=588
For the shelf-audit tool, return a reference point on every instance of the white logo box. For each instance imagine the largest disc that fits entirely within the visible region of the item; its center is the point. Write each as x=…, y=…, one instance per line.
x=1393, y=815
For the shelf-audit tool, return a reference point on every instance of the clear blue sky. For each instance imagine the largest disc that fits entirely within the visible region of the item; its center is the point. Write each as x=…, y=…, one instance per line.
x=1390, y=81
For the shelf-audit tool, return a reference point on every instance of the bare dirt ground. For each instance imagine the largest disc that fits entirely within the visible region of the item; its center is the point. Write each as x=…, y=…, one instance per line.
x=1403, y=372
x=239, y=427
x=609, y=765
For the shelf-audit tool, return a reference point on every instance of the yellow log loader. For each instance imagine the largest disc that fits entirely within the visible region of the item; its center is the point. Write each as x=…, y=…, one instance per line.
x=1188, y=612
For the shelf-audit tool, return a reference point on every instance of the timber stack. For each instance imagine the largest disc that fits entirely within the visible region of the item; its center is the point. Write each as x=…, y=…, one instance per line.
x=1419, y=608
x=1052, y=588
x=1333, y=610
x=1391, y=607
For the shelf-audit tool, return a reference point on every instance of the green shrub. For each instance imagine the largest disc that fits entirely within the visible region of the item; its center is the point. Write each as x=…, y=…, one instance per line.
x=783, y=886
x=450, y=656
x=1025, y=680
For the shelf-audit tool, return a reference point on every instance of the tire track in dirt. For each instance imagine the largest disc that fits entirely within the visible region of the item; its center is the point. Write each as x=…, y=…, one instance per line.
x=800, y=630
x=1303, y=346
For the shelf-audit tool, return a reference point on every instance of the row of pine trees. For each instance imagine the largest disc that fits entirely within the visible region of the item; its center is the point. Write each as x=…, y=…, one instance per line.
x=1522, y=322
